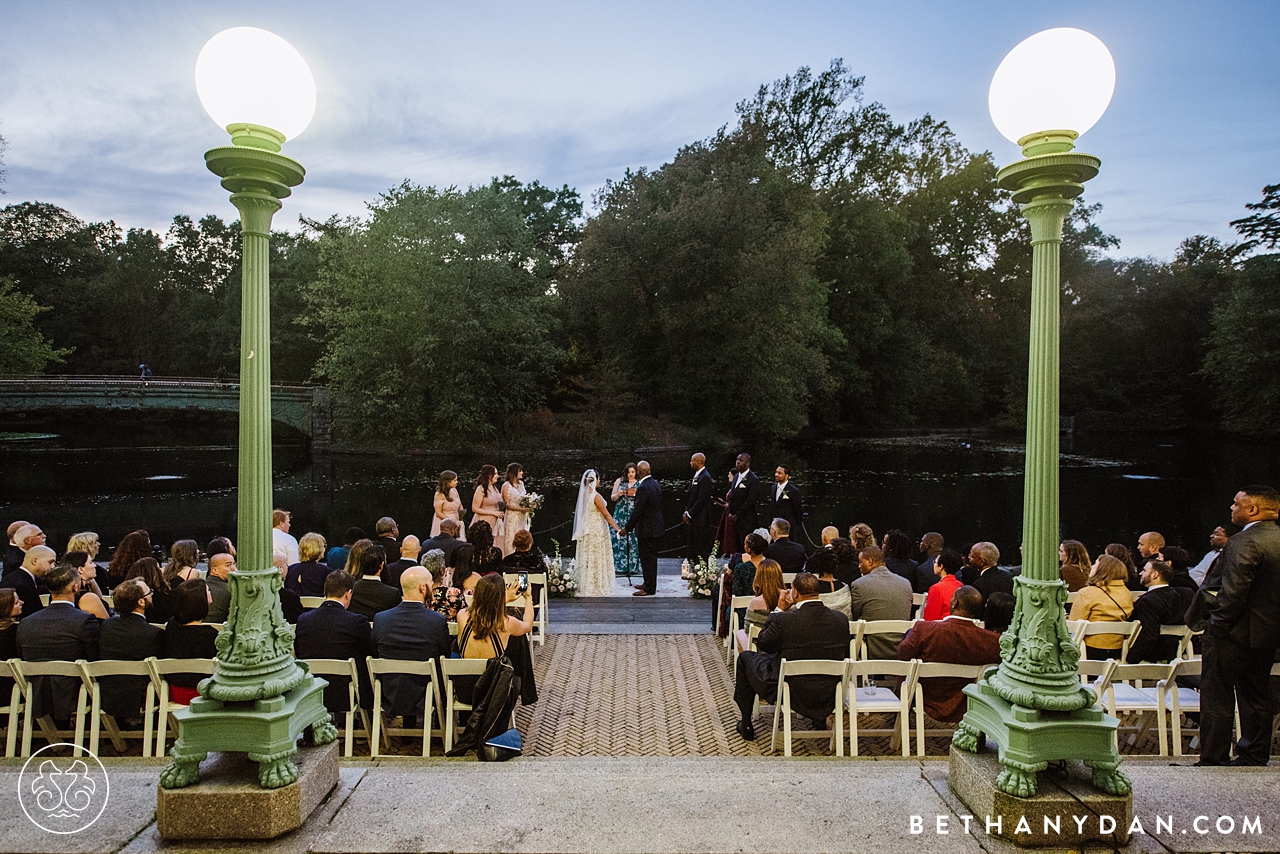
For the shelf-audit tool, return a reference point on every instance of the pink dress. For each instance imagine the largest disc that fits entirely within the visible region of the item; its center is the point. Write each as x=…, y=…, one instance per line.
x=515, y=519
x=488, y=511
x=452, y=509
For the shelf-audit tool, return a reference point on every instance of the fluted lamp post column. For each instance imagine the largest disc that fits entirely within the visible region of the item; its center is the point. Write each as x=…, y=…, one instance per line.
x=259, y=699
x=1050, y=89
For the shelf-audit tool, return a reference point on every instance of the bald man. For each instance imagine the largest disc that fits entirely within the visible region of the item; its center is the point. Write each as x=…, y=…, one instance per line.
x=410, y=548
x=697, y=510
x=13, y=556
x=1150, y=545
x=829, y=535
x=36, y=563
x=220, y=569
x=410, y=632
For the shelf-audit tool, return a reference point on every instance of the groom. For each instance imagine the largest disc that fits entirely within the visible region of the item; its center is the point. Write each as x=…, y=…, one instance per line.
x=646, y=521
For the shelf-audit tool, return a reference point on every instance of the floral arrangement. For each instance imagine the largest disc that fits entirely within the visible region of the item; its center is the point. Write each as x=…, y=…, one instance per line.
x=562, y=579
x=703, y=576
x=531, y=501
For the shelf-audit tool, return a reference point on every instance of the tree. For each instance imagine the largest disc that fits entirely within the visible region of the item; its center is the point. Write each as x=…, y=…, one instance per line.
x=1243, y=348
x=1262, y=229
x=438, y=312
x=4, y=146
x=23, y=350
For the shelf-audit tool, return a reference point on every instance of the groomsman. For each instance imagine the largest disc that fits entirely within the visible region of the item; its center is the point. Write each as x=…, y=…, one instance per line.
x=743, y=498
x=784, y=501
x=697, y=510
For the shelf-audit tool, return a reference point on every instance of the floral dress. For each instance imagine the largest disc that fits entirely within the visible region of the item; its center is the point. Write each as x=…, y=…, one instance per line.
x=626, y=550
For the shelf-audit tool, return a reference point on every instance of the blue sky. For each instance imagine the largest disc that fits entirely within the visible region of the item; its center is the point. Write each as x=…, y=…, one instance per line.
x=98, y=103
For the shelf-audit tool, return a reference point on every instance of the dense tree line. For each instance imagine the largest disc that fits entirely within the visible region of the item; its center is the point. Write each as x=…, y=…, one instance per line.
x=815, y=264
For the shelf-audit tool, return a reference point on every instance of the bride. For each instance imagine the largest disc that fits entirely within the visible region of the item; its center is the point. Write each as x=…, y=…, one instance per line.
x=595, y=549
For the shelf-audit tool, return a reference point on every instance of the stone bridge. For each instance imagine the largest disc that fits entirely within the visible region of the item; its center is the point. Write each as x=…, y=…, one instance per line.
x=302, y=407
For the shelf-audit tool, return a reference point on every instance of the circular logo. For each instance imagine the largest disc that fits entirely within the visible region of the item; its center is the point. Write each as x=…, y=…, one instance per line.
x=63, y=794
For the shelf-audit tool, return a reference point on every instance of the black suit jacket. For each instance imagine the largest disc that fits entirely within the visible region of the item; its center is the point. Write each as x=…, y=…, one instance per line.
x=697, y=500
x=13, y=558
x=412, y=632
x=1247, y=607
x=394, y=569
x=994, y=580
x=371, y=596
x=391, y=546
x=25, y=586
x=809, y=630
x=1163, y=606
x=789, y=507
x=331, y=631
x=742, y=504
x=788, y=553
x=444, y=543
x=127, y=637
x=61, y=632
x=646, y=515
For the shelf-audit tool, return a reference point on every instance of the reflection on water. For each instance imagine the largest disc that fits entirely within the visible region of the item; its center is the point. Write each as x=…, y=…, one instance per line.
x=1113, y=488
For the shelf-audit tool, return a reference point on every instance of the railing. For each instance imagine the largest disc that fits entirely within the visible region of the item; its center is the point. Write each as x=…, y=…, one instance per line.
x=119, y=380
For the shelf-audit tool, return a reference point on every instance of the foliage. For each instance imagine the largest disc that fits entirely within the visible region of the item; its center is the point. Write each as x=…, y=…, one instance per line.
x=23, y=350
x=1262, y=229
x=704, y=574
x=1243, y=347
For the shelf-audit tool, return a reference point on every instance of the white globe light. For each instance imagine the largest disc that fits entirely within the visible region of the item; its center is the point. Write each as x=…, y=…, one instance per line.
x=248, y=75
x=1059, y=79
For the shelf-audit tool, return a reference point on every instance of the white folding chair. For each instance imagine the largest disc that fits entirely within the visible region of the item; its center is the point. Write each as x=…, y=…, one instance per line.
x=1125, y=693
x=1186, y=651
x=1076, y=628
x=1071, y=600
x=312, y=602
x=788, y=577
x=1129, y=631
x=782, y=709
x=855, y=638
x=32, y=670
x=93, y=672
x=12, y=669
x=161, y=670
x=345, y=667
x=865, y=697
x=731, y=652
x=917, y=604
x=1175, y=699
x=453, y=668
x=44, y=599
x=1095, y=674
x=932, y=669
x=539, y=579
x=881, y=627
x=379, y=667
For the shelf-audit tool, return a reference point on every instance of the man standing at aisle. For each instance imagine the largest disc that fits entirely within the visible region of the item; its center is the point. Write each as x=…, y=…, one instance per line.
x=784, y=501
x=697, y=510
x=743, y=498
x=646, y=521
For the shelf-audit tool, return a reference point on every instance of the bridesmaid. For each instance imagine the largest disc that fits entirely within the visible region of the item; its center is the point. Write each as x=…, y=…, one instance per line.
x=486, y=501
x=626, y=550
x=516, y=517
x=448, y=505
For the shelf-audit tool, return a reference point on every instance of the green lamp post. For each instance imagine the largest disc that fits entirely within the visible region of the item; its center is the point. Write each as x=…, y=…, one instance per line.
x=1050, y=89
x=259, y=699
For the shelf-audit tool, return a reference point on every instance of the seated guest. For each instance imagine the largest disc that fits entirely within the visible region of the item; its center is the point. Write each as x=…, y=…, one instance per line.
x=930, y=546
x=879, y=595
x=187, y=636
x=17, y=551
x=219, y=546
x=220, y=568
x=1161, y=605
x=897, y=559
x=1074, y=564
x=744, y=573
x=1104, y=599
x=134, y=545
x=331, y=631
x=409, y=631
x=183, y=557
x=488, y=558
x=465, y=576
x=1179, y=560
x=88, y=596
x=355, y=556
x=445, y=600
x=987, y=577
x=290, y=602
x=805, y=629
x=337, y=557
x=937, y=603
x=485, y=629
x=955, y=639
x=388, y=533
x=861, y=536
x=306, y=577
x=446, y=541
x=768, y=587
x=370, y=595
x=409, y=551
x=823, y=565
x=525, y=558
x=128, y=637
x=847, y=556
x=10, y=608
x=829, y=535
x=1121, y=552
x=1217, y=542
x=27, y=577
x=787, y=552
x=998, y=614
x=160, y=602
x=60, y=632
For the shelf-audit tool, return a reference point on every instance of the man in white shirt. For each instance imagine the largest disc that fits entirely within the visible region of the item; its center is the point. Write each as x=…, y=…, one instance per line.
x=1217, y=540
x=281, y=541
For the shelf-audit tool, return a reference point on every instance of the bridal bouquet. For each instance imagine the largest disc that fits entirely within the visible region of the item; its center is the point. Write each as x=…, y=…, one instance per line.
x=703, y=576
x=561, y=580
x=531, y=501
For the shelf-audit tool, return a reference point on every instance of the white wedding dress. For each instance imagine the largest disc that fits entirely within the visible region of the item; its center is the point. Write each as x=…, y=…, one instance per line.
x=595, y=556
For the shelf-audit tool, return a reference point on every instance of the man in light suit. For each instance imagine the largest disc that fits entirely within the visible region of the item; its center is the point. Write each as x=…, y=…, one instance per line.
x=806, y=629
x=697, y=510
x=743, y=498
x=412, y=632
x=879, y=595
x=646, y=521
x=1242, y=634
x=783, y=500
x=61, y=632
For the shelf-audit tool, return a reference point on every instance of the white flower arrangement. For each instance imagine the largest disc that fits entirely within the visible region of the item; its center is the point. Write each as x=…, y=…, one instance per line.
x=531, y=501
x=562, y=579
x=703, y=576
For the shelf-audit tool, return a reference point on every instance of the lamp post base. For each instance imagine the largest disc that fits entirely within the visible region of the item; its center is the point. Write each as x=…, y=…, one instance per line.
x=1028, y=739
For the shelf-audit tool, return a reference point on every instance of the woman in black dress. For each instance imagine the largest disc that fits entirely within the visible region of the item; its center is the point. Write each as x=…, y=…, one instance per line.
x=10, y=608
x=488, y=558
x=186, y=636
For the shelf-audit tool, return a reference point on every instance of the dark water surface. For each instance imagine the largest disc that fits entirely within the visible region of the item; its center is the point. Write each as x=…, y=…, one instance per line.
x=112, y=480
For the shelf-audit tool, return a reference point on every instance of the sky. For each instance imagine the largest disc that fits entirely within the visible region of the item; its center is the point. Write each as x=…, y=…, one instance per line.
x=99, y=107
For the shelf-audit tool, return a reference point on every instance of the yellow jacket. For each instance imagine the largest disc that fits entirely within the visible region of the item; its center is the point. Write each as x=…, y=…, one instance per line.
x=1111, y=603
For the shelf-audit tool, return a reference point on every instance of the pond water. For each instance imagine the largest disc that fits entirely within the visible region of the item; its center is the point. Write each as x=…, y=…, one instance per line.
x=112, y=480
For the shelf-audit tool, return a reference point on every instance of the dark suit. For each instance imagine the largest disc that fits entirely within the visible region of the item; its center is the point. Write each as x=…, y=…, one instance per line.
x=221, y=604
x=25, y=586
x=1240, y=644
x=993, y=580
x=371, y=596
x=809, y=630
x=127, y=637
x=790, y=506
x=390, y=546
x=788, y=553
x=444, y=543
x=394, y=569
x=331, y=631
x=1159, y=606
x=61, y=632
x=13, y=558
x=742, y=504
x=290, y=605
x=411, y=632
x=646, y=521
x=954, y=640
x=697, y=505
x=307, y=578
